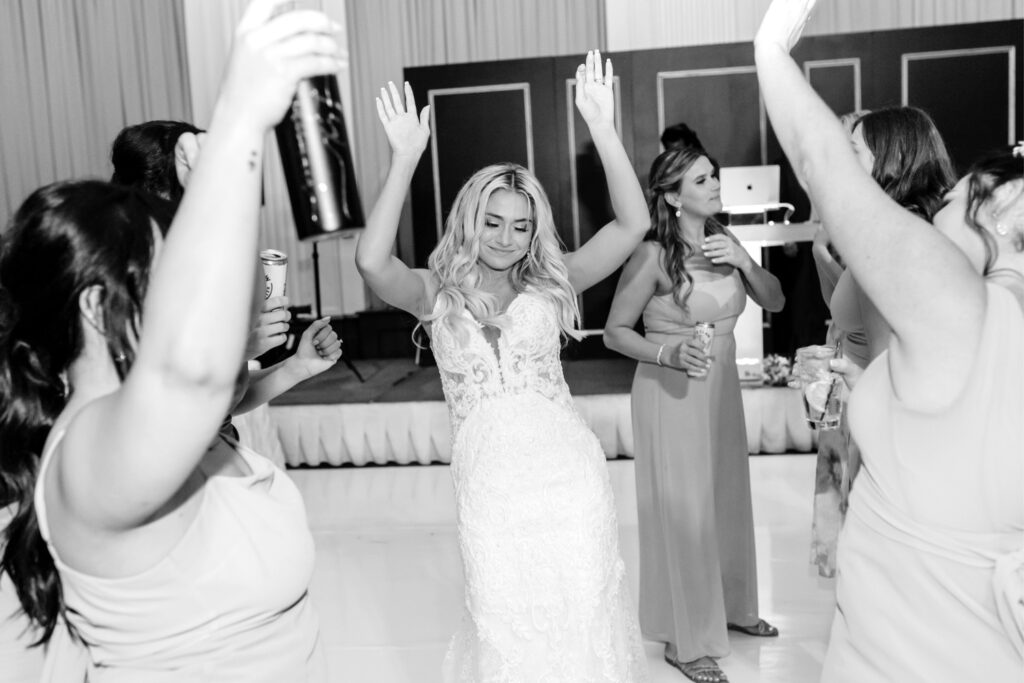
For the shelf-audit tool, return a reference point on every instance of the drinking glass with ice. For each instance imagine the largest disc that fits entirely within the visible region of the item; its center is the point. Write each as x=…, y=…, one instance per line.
x=820, y=388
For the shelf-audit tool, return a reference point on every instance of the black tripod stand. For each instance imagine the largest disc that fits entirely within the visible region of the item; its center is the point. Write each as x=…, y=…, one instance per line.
x=316, y=290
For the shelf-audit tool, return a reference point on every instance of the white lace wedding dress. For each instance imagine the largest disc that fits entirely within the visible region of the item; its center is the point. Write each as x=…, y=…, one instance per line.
x=546, y=597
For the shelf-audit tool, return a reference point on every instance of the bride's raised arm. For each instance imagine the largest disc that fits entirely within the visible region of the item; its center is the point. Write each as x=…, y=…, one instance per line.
x=386, y=275
x=612, y=245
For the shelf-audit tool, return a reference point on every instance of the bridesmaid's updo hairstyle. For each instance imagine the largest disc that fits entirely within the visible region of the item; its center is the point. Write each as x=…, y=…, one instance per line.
x=64, y=239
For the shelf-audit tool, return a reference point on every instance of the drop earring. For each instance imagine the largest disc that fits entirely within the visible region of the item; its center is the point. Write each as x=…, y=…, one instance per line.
x=679, y=213
x=1001, y=229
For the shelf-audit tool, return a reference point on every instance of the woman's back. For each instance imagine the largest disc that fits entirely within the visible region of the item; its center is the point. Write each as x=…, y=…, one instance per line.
x=228, y=603
x=935, y=529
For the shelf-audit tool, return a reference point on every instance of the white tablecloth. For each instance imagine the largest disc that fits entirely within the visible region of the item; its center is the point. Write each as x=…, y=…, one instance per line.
x=361, y=433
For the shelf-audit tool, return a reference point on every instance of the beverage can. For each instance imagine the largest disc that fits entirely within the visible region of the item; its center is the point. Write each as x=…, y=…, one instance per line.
x=704, y=333
x=275, y=269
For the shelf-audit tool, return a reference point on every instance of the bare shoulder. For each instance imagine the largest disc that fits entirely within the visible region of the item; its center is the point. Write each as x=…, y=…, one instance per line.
x=645, y=268
x=649, y=256
x=647, y=253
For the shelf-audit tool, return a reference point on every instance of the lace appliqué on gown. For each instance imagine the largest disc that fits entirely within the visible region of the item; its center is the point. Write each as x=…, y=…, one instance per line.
x=546, y=598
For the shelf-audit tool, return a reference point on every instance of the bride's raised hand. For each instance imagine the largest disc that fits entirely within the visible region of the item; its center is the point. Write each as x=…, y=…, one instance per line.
x=595, y=98
x=407, y=133
x=270, y=54
x=783, y=23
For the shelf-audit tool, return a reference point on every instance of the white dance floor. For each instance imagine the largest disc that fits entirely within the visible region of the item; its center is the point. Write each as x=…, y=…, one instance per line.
x=388, y=582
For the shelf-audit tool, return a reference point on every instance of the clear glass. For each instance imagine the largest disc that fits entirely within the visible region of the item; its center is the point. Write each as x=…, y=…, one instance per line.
x=821, y=390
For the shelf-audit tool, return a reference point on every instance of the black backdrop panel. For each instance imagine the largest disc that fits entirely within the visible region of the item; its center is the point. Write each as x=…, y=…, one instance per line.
x=932, y=81
x=718, y=98
x=837, y=84
x=723, y=107
x=951, y=83
x=465, y=123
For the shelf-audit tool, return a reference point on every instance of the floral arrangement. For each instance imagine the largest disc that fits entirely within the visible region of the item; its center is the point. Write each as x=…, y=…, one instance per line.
x=776, y=370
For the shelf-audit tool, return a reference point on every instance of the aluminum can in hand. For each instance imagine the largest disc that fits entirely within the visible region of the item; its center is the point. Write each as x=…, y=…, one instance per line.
x=275, y=268
x=704, y=333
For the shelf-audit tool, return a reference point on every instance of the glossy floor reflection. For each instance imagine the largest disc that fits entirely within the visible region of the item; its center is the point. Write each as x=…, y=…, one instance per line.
x=388, y=581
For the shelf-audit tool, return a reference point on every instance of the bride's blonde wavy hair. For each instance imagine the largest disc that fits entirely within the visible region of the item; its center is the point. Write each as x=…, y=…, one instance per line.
x=455, y=262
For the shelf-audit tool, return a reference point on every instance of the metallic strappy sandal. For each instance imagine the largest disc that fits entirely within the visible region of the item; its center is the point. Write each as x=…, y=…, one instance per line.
x=702, y=670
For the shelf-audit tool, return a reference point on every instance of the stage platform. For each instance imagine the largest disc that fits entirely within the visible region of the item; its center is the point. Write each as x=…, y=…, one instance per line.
x=398, y=415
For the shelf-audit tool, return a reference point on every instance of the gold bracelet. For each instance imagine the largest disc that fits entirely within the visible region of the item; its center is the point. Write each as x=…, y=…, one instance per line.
x=657, y=360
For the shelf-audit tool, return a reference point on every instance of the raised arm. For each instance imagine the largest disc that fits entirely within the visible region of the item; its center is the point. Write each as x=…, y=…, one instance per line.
x=387, y=276
x=921, y=283
x=127, y=454
x=606, y=250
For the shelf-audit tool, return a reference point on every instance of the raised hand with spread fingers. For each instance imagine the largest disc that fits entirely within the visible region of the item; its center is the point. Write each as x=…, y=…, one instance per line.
x=407, y=132
x=595, y=97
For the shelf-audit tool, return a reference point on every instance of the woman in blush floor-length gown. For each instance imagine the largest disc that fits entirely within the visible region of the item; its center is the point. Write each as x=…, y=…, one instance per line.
x=698, y=573
x=693, y=479
x=546, y=598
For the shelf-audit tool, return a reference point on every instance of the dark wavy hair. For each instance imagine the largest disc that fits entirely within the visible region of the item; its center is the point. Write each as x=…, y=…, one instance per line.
x=911, y=161
x=143, y=156
x=666, y=176
x=984, y=178
x=65, y=238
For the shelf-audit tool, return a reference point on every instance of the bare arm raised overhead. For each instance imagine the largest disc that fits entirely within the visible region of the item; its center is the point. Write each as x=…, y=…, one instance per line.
x=387, y=276
x=613, y=243
x=920, y=282
x=128, y=452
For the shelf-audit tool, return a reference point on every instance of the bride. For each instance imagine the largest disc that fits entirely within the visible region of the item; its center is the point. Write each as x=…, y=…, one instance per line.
x=546, y=596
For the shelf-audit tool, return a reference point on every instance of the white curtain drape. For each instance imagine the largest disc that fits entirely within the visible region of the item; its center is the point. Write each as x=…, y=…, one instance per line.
x=209, y=30
x=650, y=24
x=72, y=75
x=387, y=35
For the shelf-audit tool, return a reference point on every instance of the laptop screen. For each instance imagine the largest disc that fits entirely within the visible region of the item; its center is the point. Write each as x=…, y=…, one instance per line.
x=747, y=186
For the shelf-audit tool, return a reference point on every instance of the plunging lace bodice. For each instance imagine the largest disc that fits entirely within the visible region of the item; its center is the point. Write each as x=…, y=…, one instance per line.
x=525, y=359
